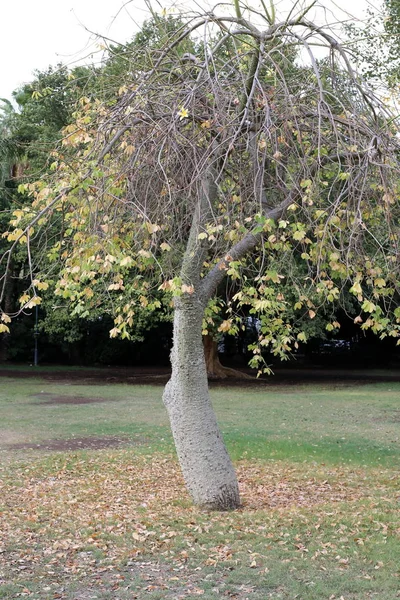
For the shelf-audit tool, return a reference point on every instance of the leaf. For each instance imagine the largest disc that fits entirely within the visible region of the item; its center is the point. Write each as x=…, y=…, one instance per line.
x=299, y=235
x=24, y=299
x=368, y=306
x=183, y=113
x=125, y=262
x=225, y=326
x=187, y=289
x=305, y=183
x=144, y=253
x=356, y=288
x=380, y=283
x=35, y=301
x=152, y=227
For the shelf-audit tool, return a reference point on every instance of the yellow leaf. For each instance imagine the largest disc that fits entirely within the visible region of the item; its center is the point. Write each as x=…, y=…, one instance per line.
x=125, y=262
x=152, y=227
x=42, y=285
x=299, y=235
x=34, y=302
x=187, y=289
x=183, y=113
x=144, y=253
x=380, y=282
x=356, y=288
x=4, y=328
x=225, y=326
x=166, y=286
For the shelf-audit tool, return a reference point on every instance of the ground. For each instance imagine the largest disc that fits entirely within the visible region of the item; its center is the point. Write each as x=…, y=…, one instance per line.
x=92, y=503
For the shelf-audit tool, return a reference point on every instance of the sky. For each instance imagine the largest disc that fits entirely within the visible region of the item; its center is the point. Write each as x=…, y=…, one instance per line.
x=39, y=33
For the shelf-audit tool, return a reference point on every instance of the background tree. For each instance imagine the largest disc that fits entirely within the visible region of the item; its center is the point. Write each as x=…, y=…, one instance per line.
x=233, y=162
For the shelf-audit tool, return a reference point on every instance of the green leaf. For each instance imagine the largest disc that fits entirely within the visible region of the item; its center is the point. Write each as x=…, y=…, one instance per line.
x=368, y=306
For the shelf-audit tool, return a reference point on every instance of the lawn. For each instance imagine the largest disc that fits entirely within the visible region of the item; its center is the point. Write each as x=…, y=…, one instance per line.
x=92, y=504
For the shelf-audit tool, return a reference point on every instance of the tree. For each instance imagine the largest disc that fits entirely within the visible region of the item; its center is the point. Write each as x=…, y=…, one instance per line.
x=231, y=163
x=29, y=130
x=375, y=43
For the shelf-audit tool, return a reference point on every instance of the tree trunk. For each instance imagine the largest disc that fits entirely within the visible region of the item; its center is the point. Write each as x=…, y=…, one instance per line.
x=206, y=466
x=215, y=370
x=8, y=303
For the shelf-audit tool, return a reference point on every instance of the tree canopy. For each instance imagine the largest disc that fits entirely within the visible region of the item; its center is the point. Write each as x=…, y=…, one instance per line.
x=232, y=155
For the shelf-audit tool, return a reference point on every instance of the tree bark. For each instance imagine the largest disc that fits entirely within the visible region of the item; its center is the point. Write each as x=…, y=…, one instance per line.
x=8, y=302
x=206, y=466
x=215, y=370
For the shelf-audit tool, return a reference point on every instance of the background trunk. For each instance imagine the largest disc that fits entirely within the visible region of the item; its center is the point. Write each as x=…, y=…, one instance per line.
x=215, y=370
x=206, y=466
x=8, y=306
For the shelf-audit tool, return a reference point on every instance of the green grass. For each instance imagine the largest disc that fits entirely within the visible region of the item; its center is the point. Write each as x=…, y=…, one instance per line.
x=318, y=467
x=346, y=425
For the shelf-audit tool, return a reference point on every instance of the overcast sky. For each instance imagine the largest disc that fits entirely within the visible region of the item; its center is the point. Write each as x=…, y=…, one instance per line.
x=37, y=33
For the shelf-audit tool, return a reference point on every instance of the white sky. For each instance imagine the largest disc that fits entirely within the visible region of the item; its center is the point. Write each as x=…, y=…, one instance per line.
x=37, y=33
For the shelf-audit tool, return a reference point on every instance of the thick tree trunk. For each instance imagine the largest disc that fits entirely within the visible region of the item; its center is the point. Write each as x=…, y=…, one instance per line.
x=215, y=370
x=206, y=466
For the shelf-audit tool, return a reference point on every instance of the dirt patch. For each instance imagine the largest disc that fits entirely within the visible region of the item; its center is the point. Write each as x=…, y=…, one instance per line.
x=9, y=437
x=48, y=399
x=99, y=376
x=71, y=444
x=160, y=376
x=387, y=417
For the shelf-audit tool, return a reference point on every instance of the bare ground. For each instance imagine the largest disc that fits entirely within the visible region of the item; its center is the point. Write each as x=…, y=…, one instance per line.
x=156, y=375
x=71, y=444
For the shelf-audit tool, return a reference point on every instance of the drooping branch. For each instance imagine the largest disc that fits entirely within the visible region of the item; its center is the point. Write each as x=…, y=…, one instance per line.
x=247, y=244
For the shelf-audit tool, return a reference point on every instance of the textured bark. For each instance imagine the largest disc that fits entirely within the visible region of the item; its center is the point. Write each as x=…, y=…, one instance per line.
x=206, y=466
x=215, y=370
x=8, y=303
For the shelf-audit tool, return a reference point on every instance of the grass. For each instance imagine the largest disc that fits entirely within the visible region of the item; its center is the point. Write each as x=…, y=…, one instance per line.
x=318, y=470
